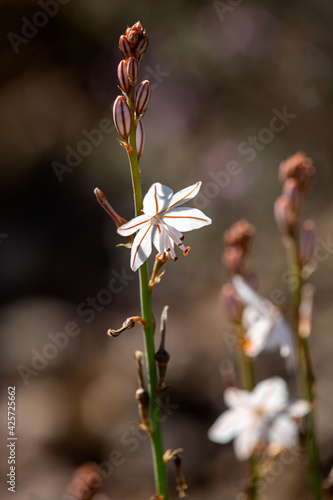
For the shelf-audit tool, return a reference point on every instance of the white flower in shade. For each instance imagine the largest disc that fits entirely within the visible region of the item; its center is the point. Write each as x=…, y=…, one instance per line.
x=266, y=328
x=162, y=222
x=259, y=419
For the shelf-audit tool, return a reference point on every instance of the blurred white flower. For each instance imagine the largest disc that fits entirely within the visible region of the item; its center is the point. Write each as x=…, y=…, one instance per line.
x=162, y=222
x=266, y=328
x=259, y=419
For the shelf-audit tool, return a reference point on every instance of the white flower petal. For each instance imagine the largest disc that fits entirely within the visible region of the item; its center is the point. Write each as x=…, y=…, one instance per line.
x=186, y=219
x=283, y=431
x=134, y=225
x=141, y=248
x=271, y=395
x=247, y=295
x=227, y=426
x=257, y=335
x=184, y=195
x=248, y=438
x=157, y=199
x=299, y=408
x=175, y=235
x=234, y=397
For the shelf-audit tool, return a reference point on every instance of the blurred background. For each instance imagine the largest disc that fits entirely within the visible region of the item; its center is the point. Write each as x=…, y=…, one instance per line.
x=220, y=72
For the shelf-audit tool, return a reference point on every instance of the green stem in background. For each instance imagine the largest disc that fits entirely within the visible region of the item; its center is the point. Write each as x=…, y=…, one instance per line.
x=305, y=375
x=147, y=315
x=248, y=383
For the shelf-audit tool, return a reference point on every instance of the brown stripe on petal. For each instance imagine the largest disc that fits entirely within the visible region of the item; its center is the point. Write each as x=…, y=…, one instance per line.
x=183, y=197
x=143, y=237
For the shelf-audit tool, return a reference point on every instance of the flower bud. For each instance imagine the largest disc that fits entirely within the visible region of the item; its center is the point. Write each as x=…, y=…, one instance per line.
x=305, y=311
x=142, y=97
x=307, y=242
x=141, y=47
x=123, y=76
x=283, y=215
x=231, y=303
x=140, y=138
x=240, y=234
x=132, y=70
x=233, y=259
x=292, y=191
x=134, y=33
x=299, y=167
x=122, y=117
x=125, y=47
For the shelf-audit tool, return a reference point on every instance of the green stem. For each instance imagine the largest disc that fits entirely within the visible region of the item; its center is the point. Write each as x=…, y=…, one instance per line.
x=305, y=375
x=147, y=315
x=248, y=382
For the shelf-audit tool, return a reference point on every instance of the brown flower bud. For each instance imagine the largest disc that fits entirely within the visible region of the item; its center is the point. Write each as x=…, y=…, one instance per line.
x=231, y=304
x=141, y=47
x=123, y=76
x=142, y=97
x=134, y=33
x=140, y=138
x=125, y=46
x=118, y=220
x=233, y=259
x=240, y=234
x=307, y=242
x=284, y=216
x=299, y=167
x=122, y=117
x=291, y=189
x=305, y=311
x=132, y=70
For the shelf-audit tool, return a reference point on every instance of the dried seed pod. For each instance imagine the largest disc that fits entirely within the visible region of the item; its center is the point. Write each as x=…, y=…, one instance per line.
x=142, y=97
x=122, y=117
x=140, y=138
x=123, y=76
x=125, y=47
x=132, y=70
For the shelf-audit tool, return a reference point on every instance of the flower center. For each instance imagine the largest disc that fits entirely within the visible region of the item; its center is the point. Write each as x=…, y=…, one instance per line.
x=156, y=220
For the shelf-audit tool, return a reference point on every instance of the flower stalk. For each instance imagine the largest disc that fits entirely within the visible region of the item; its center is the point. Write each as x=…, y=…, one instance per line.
x=147, y=315
x=305, y=372
x=296, y=174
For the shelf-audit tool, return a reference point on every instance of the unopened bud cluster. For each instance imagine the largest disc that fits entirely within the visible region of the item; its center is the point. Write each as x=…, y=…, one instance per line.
x=296, y=174
x=238, y=240
x=129, y=108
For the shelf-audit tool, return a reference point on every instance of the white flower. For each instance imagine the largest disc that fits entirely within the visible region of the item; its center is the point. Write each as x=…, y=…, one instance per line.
x=266, y=328
x=162, y=222
x=260, y=418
